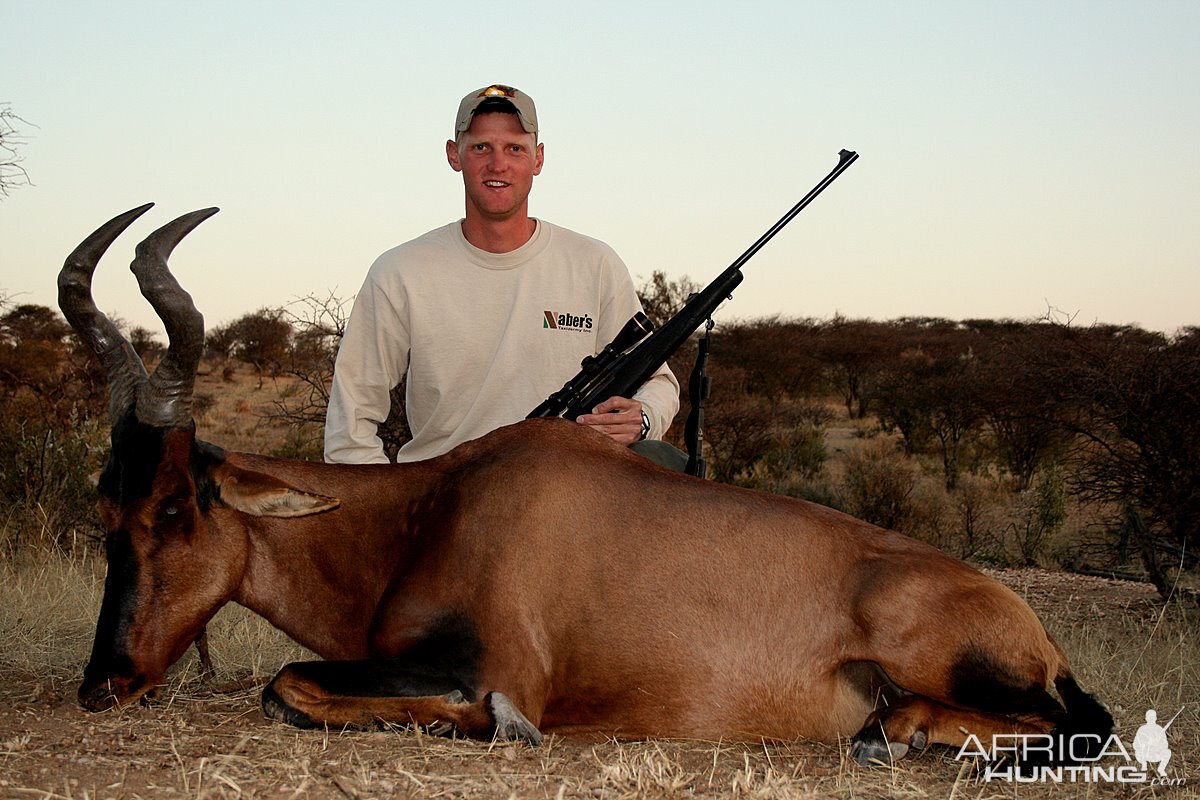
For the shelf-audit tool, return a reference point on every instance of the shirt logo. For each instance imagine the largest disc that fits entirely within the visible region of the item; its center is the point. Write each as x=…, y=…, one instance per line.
x=558, y=321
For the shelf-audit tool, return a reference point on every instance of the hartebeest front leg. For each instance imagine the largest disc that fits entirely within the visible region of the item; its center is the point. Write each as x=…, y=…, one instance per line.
x=364, y=693
x=915, y=722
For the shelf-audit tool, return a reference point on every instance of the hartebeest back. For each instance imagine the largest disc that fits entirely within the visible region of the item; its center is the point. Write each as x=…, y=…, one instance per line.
x=539, y=578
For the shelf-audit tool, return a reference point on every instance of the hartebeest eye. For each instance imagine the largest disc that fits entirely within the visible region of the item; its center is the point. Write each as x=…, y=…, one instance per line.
x=171, y=512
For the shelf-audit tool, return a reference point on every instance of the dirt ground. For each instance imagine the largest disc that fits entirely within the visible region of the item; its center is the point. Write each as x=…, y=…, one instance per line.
x=197, y=743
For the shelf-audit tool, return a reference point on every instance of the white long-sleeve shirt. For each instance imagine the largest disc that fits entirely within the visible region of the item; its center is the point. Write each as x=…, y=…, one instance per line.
x=483, y=337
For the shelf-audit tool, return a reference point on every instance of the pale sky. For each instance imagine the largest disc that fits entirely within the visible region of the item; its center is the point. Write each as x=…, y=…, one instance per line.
x=1014, y=155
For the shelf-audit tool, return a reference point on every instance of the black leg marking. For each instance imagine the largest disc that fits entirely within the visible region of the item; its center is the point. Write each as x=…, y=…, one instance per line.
x=393, y=677
x=445, y=658
x=1085, y=714
x=978, y=681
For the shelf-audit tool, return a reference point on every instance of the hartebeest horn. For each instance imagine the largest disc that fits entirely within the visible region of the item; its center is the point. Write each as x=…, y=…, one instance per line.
x=164, y=398
x=126, y=373
x=167, y=398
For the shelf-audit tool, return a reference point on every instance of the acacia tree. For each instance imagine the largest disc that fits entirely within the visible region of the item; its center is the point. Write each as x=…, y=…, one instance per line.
x=932, y=399
x=1015, y=399
x=1133, y=399
x=145, y=343
x=903, y=402
x=775, y=356
x=220, y=341
x=745, y=429
x=33, y=352
x=854, y=353
x=41, y=359
x=956, y=411
x=262, y=339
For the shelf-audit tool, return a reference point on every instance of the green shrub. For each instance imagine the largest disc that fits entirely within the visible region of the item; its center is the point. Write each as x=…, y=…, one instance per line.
x=1039, y=514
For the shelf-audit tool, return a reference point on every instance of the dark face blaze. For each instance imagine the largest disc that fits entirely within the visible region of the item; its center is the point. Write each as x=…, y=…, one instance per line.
x=167, y=575
x=110, y=673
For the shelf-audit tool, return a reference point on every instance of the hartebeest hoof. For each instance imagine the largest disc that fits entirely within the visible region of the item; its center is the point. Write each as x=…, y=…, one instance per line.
x=274, y=708
x=870, y=747
x=509, y=722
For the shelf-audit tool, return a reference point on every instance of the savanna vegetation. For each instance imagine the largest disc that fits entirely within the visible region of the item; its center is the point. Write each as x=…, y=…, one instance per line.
x=1014, y=444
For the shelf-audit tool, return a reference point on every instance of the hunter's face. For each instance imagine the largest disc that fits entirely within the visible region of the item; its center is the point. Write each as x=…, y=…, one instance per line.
x=498, y=161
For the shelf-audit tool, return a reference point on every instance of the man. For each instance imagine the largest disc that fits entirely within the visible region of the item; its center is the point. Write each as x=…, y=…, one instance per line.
x=486, y=316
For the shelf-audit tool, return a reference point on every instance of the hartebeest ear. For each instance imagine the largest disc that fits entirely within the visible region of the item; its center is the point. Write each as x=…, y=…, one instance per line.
x=264, y=496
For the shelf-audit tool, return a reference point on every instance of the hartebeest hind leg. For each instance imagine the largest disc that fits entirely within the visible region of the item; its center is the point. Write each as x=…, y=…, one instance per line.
x=991, y=707
x=363, y=693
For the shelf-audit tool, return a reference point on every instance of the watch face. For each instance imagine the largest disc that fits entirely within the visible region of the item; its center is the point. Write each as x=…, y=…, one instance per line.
x=645, y=424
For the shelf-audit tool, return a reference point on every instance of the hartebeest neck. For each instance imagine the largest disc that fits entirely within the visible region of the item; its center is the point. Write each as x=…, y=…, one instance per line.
x=320, y=578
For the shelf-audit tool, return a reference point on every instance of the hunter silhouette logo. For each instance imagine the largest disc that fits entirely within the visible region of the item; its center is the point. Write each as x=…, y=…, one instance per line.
x=1077, y=758
x=566, y=322
x=1150, y=743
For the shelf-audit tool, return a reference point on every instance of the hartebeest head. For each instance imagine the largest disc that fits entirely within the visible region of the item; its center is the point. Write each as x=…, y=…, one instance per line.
x=169, y=568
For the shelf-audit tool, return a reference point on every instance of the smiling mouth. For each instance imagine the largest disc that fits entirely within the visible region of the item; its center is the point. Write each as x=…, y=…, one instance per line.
x=495, y=184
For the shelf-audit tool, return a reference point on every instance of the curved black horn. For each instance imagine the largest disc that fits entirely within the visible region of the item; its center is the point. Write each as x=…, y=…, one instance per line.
x=167, y=398
x=126, y=374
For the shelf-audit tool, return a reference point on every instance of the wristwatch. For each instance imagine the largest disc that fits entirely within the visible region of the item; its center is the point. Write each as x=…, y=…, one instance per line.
x=645, y=426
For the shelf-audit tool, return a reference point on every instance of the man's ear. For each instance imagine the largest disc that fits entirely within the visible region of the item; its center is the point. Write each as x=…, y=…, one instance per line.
x=264, y=496
x=452, y=155
x=539, y=155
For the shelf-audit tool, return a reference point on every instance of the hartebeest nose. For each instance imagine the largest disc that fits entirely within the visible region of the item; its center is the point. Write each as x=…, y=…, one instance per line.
x=97, y=697
x=98, y=694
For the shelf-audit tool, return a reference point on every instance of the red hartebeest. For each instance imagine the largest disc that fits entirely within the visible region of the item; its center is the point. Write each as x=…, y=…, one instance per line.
x=539, y=578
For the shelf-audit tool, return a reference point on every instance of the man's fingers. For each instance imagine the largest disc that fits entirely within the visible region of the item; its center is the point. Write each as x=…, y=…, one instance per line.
x=619, y=418
x=610, y=420
x=620, y=404
x=625, y=428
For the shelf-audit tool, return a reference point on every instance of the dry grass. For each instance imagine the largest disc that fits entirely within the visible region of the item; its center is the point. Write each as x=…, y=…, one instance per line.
x=236, y=418
x=196, y=742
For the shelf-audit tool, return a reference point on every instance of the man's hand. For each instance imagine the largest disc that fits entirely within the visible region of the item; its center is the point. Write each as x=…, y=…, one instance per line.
x=618, y=418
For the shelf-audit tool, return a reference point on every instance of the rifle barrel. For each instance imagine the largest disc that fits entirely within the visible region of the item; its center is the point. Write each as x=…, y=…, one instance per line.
x=623, y=375
x=845, y=159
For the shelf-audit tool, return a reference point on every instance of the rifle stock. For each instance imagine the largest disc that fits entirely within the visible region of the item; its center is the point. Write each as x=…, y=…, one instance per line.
x=631, y=364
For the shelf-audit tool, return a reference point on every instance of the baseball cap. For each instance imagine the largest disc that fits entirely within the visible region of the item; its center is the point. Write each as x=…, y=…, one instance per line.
x=520, y=102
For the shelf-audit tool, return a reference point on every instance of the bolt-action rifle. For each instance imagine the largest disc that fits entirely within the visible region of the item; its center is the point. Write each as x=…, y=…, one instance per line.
x=639, y=350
